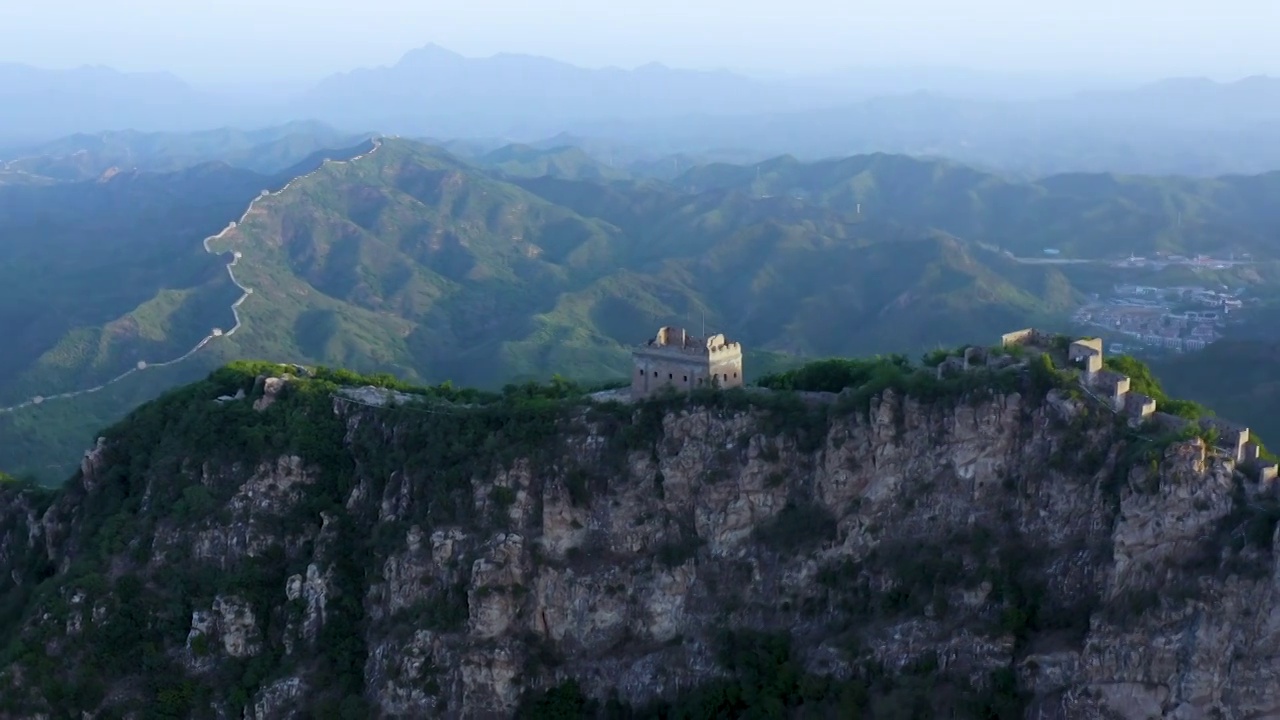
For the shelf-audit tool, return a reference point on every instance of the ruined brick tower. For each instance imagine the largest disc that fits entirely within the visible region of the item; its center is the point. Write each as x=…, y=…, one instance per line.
x=676, y=358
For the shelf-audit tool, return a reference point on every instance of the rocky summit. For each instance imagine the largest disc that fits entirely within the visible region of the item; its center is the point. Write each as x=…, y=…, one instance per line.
x=281, y=542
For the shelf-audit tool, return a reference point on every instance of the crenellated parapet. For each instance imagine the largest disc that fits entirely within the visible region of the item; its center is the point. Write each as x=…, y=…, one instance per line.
x=1112, y=385
x=674, y=358
x=1114, y=389
x=717, y=346
x=1232, y=436
x=1139, y=407
x=1267, y=472
x=1086, y=353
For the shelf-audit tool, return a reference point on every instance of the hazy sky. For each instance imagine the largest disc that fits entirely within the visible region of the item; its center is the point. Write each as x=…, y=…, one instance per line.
x=208, y=40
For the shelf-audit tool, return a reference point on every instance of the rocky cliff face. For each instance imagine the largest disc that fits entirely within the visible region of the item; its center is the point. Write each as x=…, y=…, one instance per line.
x=1005, y=554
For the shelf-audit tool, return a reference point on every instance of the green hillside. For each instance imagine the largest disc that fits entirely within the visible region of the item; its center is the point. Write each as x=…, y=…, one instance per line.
x=100, y=275
x=413, y=262
x=525, y=264
x=526, y=161
x=1239, y=379
x=1083, y=215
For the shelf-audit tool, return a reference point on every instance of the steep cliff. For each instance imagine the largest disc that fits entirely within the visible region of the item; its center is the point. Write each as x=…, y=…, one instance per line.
x=998, y=547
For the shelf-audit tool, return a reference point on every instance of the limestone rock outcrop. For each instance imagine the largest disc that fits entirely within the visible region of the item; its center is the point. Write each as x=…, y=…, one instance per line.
x=999, y=536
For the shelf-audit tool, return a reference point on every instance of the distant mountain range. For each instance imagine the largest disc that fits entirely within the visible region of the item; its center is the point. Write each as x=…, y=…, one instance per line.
x=86, y=156
x=40, y=105
x=1083, y=215
x=436, y=91
x=1178, y=126
x=1173, y=128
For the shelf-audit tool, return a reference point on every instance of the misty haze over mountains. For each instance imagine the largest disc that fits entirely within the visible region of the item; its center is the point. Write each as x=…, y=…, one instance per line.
x=1011, y=123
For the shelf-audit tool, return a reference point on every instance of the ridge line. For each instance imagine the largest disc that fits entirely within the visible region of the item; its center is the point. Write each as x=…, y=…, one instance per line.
x=235, y=306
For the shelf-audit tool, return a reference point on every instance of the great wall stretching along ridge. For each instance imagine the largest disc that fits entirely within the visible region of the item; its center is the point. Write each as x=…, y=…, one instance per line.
x=674, y=359
x=1113, y=390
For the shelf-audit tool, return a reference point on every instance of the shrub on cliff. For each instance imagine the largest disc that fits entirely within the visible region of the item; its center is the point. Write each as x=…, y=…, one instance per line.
x=1142, y=380
x=563, y=702
x=836, y=374
x=859, y=381
x=799, y=526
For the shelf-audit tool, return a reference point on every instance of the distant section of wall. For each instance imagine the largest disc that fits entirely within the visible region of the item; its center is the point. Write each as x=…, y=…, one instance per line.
x=1232, y=437
x=1139, y=406
x=1170, y=423
x=1018, y=337
x=1028, y=336
x=1114, y=387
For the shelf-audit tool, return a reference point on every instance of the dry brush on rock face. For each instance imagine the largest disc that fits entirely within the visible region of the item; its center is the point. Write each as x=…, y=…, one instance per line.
x=990, y=554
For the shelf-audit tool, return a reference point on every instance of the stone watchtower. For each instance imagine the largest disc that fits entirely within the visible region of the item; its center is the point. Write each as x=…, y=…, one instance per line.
x=680, y=360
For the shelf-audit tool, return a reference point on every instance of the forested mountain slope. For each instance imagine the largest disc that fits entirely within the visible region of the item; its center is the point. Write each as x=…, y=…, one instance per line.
x=532, y=262
x=1083, y=215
